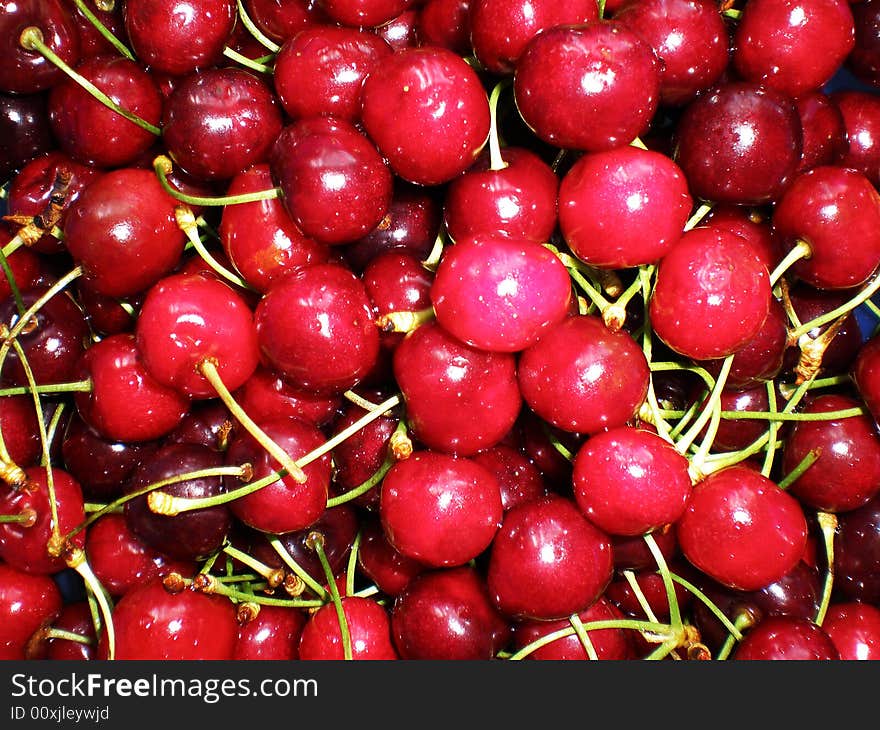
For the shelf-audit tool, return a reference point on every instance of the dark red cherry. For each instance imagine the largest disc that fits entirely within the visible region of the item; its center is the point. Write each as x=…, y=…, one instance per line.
x=24, y=546
x=441, y=113
x=500, y=293
x=629, y=481
x=520, y=480
x=282, y=19
x=179, y=36
x=538, y=443
x=284, y=505
x=207, y=422
x=316, y=328
x=689, y=38
x=321, y=70
x=107, y=315
x=400, y=32
x=439, y=509
x=753, y=224
x=334, y=183
x=151, y=623
x=27, y=602
x=228, y=109
x=786, y=638
x=711, y=295
x=737, y=433
x=547, y=561
x=836, y=211
x=23, y=71
x=363, y=13
x=92, y=43
x=445, y=23
x=448, y=614
x=24, y=131
x=518, y=200
x=857, y=553
x=651, y=591
x=266, y=395
x=583, y=377
x=739, y=143
x=866, y=375
x=741, y=529
x=861, y=120
x=592, y=86
x=369, y=630
x=864, y=59
x=188, y=318
x=94, y=134
x=272, y=635
x=388, y=568
x=75, y=618
x=28, y=269
x=825, y=139
x=793, y=46
x=18, y=425
x=361, y=455
x=855, y=630
x=458, y=399
x=632, y=553
x=122, y=230
x=623, y=207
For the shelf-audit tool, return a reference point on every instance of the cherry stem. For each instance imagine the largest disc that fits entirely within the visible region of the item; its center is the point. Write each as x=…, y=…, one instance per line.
x=188, y=223
x=630, y=578
x=205, y=583
x=828, y=524
x=744, y=620
x=274, y=576
x=31, y=39
x=76, y=559
x=258, y=35
x=163, y=166
x=556, y=443
x=864, y=295
x=781, y=417
x=234, y=55
x=53, y=633
x=583, y=636
x=432, y=261
x=26, y=517
x=802, y=466
x=496, y=161
x=801, y=250
x=404, y=321
x=634, y=624
x=874, y=309
x=697, y=217
x=575, y=268
x=703, y=598
x=351, y=568
x=709, y=412
x=76, y=386
x=297, y=569
x=103, y=30
x=364, y=487
x=359, y=400
x=315, y=541
x=674, y=611
x=13, y=284
x=775, y=425
x=614, y=315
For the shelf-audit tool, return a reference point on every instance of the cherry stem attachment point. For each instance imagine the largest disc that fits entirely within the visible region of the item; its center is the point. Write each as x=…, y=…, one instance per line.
x=163, y=166
x=801, y=250
x=102, y=29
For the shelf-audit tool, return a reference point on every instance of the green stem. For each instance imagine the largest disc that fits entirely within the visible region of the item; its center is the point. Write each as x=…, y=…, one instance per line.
x=801, y=250
x=828, y=525
x=864, y=295
x=684, y=443
x=258, y=35
x=496, y=161
x=234, y=55
x=188, y=223
x=703, y=598
x=296, y=568
x=364, y=487
x=674, y=610
x=162, y=165
x=76, y=386
x=698, y=216
x=583, y=636
x=316, y=541
x=13, y=284
x=802, y=466
x=647, y=626
x=775, y=424
x=103, y=30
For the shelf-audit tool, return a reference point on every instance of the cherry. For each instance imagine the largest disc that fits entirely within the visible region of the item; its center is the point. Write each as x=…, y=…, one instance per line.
x=633, y=553
x=689, y=38
x=863, y=58
x=538, y=439
x=609, y=644
x=316, y=328
x=786, y=638
x=369, y=629
x=651, y=589
x=24, y=131
x=229, y=109
x=272, y=635
x=152, y=623
x=866, y=375
x=520, y=480
x=458, y=399
x=861, y=121
x=24, y=71
x=92, y=43
x=500, y=293
x=381, y=562
x=18, y=424
x=855, y=629
x=284, y=505
x=187, y=319
x=179, y=36
x=107, y=315
x=27, y=603
x=711, y=295
x=360, y=456
x=441, y=119
x=334, y=183
x=629, y=481
x=739, y=142
x=447, y=614
x=401, y=31
x=321, y=69
x=282, y=19
x=734, y=433
x=207, y=422
x=792, y=46
x=592, y=86
x=74, y=618
x=835, y=210
x=741, y=529
x=623, y=207
x=445, y=23
x=583, y=377
x=857, y=553
x=824, y=130
x=266, y=395
x=363, y=13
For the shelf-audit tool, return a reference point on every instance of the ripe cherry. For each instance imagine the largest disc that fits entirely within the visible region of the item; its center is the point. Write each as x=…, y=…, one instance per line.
x=445, y=23
x=24, y=129
x=520, y=480
x=266, y=395
x=282, y=19
x=825, y=139
x=369, y=628
x=18, y=425
x=381, y=562
x=861, y=121
x=27, y=602
x=866, y=375
x=786, y=638
x=273, y=634
x=854, y=628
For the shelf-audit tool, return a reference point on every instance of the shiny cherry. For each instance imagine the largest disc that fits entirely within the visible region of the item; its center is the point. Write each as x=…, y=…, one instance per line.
x=520, y=479
x=381, y=562
x=855, y=629
x=272, y=635
x=866, y=375
x=857, y=553
x=786, y=638
x=445, y=23
x=282, y=19
x=267, y=395
x=24, y=130
x=369, y=629
x=27, y=602
x=18, y=425
x=860, y=110
x=824, y=131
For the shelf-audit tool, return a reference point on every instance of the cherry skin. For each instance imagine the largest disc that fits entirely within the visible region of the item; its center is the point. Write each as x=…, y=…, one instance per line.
x=520, y=480
x=583, y=377
x=266, y=395
x=786, y=638
x=835, y=210
x=458, y=399
x=381, y=562
x=122, y=231
x=518, y=200
x=739, y=143
x=864, y=57
x=589, y=87
x=793, y=47
x=741, y=529
x=179, y=36
x=260, y=239
x=445, y=23
x=690, y=39
x=24, y=129
x=629, y=481
x=369, y=627
x=188, y=318
x=282, y=19
x=855, y=630
x=316, y=328
x=651, y=589
x=737, y=433
x=824, y=131
x=499, y=293
x=447, y=614
x=107, y=315
x=229, y=109
x=711, y=296
x=632, y=553
x=861, y=120
x=334, y=183
x=321, y=70
x=208, y=423
x=151, y=623
x=75, y=618
x=272, y=635
x=283, y=505
x=92, y=133
x=846, y=474
x=866, y=375
x=532, y=569
x=857, y=553
x=638, y=203
x=363, y=13
x=441, y=119
x=401, y=32
x=18, y=424
x=27, y=602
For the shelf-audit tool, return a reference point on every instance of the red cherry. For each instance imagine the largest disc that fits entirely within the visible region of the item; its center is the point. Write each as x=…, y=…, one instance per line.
x=75, y=618
x=27, y=602
x=623, y=207
x=548, y=561
x=360, y=456
x=866, y=375
x=741, y=529
x=855, y=630
x=861, y=120
x=520, y=480
x=824, y=130
x=272, y=635
x=441, y=113
x=24, y=129
x=863, y=58
x=381, y=562
x=18, y=424
x=282, y=19
x=737, y=433
x=28, y=269
x=786, y=638
x=369, y=628
x=445, y=23
x=400, y=32
x=363, y=13
x=857, y=553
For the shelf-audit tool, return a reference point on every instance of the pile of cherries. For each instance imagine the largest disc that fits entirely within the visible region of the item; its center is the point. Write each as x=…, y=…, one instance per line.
x=439, y=329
